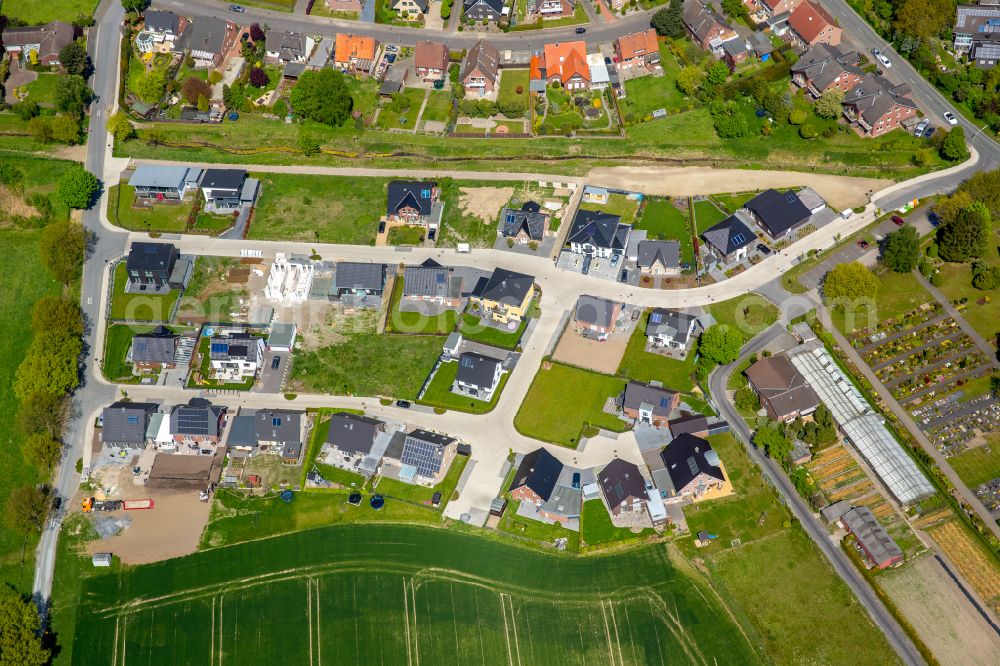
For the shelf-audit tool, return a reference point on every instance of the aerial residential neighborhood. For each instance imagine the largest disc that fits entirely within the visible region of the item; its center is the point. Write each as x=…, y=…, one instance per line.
x=550, y=331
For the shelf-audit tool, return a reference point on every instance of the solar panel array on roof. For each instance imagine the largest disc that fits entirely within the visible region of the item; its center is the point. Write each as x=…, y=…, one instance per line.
x=192, y=421
x=425, y=456
x=738, y=239
x=655, y=318
x=220, y=348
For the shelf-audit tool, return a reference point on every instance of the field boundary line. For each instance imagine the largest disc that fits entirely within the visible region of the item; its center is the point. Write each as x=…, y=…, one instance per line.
x=309, y=616
x=114, y=654
x=211, y=645
x=513, y=623
x=607, y=633
x=656, y=634
x=319, y=636
x=124, y=643
x=416, y=634
x=506, y=630
x=618, y=640
x=406, y=616
x=221, y=628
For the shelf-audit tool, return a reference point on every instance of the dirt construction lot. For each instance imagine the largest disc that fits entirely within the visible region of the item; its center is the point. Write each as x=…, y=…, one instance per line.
x=484, y=202
x=839, y=191
x=604, y=357
x=941, y=615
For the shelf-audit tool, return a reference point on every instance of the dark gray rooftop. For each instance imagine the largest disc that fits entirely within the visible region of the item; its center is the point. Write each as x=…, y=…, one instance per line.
x=125, y=422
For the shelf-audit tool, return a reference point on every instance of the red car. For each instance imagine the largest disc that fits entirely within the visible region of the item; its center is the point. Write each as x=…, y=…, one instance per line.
x=863, y=244
x=898, y=221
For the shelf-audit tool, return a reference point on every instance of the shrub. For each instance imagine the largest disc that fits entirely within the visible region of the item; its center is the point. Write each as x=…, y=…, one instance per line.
x=797, y=116
x=258, y=77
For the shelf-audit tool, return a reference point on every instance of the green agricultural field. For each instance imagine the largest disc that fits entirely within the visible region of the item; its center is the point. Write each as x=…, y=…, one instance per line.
x=562, y=400
x=19, y=289
x=645, y=366
x=139, y=306
x=325, y=209
x=664, y=221
x=163, y=217
x=438, y=393
x=34, y=12
x=404, y=594
x=977, y=466
x=707, y=215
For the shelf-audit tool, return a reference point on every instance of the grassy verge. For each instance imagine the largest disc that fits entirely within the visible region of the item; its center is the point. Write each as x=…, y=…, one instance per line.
x=438, y=393
x=163, y=217
x=33, y=12
x=598, y=530
x=749, y=314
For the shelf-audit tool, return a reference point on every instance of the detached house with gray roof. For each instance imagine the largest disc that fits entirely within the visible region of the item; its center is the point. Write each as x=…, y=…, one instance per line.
x=155, y=350
x=596, y=315
x=504, y=296
x=478, y=376
x=274, y=431
x=659, y=258
x=208, y=39
x=731, y=239
x=351, y=438
x=124, y=424
x=536, y=477
x=671, y=328
x=358, y=279
x=413, y=202
x=824, y=67
x=285, y=47
x=598, y=234
x=623, y=487
x=645, y=403
x=694, y=470
x=431, y=282
x=524, y=225
x=235, y=357
x=197, y=422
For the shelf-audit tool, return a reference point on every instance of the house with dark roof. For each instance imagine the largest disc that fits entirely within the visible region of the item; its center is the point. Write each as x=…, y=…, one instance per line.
x=876, y=106
x=228, y=189
x=645, y=403
x=778, y=213
x=411, y=202
x=783, y=391
x=563, y=505
x=671, y=328
x=197, y=422
x=694, y=470
x=352, y=436
x=659, y=258
x=208, y=39
x=159, y=27
x=812, y=24
x=977, y=33
x=731, y=239
x=430, y=60
x=504, y=296
x=623, y=487
x=481, y=67
x=235, y=357
x=536, y=477
x=598, y=234
x=690, y=424
x=124, y=424
x=879, y=548
x=422, y=456
x=284, y=47
x=150, y=265
x=155, y=350
x=478, y=376
x=707, y=28
x=524, y=225
x=45, y=40
x=276, y=428
x=358, y=279
x=824, y=67
x=489, y=11
x=431, y=282
x=596, y=315
x=409, y=10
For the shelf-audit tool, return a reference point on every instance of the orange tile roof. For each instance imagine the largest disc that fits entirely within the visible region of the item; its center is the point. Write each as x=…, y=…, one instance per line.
x=535, y=68
x=808, y=20
x=354, y=46
x=567, y=59
x=637, y=44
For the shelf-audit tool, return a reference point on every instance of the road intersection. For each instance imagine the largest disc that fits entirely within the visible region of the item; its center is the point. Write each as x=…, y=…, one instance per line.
x=493, y=434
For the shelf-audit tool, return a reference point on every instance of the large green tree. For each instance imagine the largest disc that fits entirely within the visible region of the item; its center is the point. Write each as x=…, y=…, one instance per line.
x=74, y=58
x=73, y=94
x=120, y=127
x=25, y=513
x=57, y=313
x=953, y=146
x=50, y=366
x=42, y=451
x=721, y=343
x=63, y=247
x=967, y=236
x=77, y=187
x=150, y=87
x=829, y=104
x=322, y=96
x=902, y=249
x=43, y=412
x=20, y=630
x=669, y=21
x=923, y=18
x=689, y=79
x=772, y=439
x=849, y=282
x=135, y=6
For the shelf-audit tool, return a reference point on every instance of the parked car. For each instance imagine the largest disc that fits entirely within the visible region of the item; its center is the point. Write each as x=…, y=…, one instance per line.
x=391, y=48
x=863, y=244
x=763, y=249
x=929, y=132
x=431, y=233
x=237, y=9
x=586, y=264
x=885, y=61
x=950, y=117
x=624, y=276
x=57, y=501
x=576, y=479
x=876, y=51
x=580, y=31
x=405, y=404
x=918, y=131
x=897, y=220
x=614, y=259
x=391, y=57
x=933, y=218
x=381, y=227
x=275, y=362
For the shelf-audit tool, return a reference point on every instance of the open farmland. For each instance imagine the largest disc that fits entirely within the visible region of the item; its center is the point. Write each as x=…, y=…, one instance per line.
x=404, y=595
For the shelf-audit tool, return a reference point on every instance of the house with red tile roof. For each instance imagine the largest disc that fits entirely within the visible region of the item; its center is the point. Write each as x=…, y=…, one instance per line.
x=430, y=60
x=813, y=25
x=355, y=53
x=566, y=63
x=637, y=50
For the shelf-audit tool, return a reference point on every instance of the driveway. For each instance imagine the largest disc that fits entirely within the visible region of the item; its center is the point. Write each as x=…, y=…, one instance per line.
x=272, y=379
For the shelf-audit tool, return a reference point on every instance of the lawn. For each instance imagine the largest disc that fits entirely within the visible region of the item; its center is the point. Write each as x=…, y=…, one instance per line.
x=445, y=593
x=407, y=120
x=733, y=202
x=644, y=366
x=19, y=289
x=35, y=12
x=957, y=284
x=598, y=529
x=976, y=466
x=139, y=306
x=326, y=209
x=618, y=204
x=751, y=314
x=415, y=322
x=706, y=215
x=41, y=177
x=563, y=400
x=438, y=393
x=163, y=217
x=510, y=81
x=406, y=235
x=409, y=492
x=438, y=108
x=899, y=293
x=473, y=330
x=461, y=226
x=117, y=341
x=646, y=94
x=664, y=221
x=369, y=364
x=535, y=530
x=579, y=16
x=43, y=89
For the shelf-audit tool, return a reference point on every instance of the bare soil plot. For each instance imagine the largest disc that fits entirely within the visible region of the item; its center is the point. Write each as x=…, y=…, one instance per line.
x=484, y=202
x=605, y=357
x=978, y=569
x=941, y=614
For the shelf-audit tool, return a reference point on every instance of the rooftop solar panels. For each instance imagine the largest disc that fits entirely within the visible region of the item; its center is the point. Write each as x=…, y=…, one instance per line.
x=655, y=318
x=192, y=421
x=738, y=239
x=220, y=348
x=424, y=456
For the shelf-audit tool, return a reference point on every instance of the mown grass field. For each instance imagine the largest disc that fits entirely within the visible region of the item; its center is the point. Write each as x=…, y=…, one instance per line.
x=403, y=594
x=664, y=221
x=34, y=12
x=977, y=466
